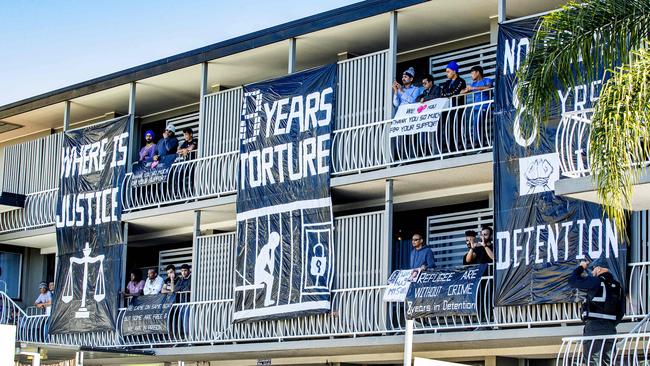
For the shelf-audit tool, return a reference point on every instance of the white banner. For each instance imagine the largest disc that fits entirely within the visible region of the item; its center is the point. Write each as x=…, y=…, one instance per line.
x=418, y=117
x=399, y=283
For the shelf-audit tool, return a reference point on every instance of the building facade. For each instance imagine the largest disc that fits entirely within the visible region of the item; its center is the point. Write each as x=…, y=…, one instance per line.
x=383, y=191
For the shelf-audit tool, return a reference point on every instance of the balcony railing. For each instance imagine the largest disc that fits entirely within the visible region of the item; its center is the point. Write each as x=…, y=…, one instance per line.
x=572, y=143
x=211, y=176
x=620, y=349
x=355, y=311
x=464, y=128
x=39, y=211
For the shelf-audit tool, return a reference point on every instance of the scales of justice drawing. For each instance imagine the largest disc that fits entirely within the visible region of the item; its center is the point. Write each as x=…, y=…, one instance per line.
x=100, y=287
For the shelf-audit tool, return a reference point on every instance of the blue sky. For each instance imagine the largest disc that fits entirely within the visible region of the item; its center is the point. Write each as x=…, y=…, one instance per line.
x=48, y=44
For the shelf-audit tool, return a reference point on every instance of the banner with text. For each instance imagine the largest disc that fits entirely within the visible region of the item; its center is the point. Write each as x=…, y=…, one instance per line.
x=399, y=284
x=445, y=292
x=88, y=228
x=284, y=212
x=152, y=172
x=148, y=315
x=540, y=237
x=418, y=117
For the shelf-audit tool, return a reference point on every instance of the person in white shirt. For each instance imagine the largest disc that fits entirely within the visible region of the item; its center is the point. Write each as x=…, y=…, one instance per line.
x=153, y=284
x=44, y=300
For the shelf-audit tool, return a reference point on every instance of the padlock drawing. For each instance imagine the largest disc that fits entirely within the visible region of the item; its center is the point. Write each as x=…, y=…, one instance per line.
x=318, y=262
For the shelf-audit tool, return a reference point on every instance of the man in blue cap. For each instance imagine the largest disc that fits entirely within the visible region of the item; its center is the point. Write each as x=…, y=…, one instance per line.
x=408, y=92
x=603, y=308
x=454, y=84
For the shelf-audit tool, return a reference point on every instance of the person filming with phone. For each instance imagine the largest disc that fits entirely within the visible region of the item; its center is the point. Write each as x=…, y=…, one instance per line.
x=478, y=252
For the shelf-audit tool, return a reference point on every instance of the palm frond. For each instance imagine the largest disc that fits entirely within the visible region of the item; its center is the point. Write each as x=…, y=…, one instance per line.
x=620, y=135
x=599, y=32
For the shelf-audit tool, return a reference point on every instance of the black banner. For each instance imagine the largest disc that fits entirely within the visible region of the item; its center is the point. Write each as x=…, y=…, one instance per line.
x=284, y=209
x=145, y=173
x=148, y=315
x=540, y=237
x=88, y=228
x=445, y=292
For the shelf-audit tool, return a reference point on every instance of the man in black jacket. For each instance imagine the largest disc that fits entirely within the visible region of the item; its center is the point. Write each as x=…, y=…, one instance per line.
x=602, y=310
x=431, y=90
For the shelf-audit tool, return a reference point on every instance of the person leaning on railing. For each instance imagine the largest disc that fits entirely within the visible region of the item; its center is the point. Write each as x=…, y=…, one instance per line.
x=430, y=89
x=44, y=299
x=135, y=287
x=167, y=145
x=188, y=147
x=479, y=89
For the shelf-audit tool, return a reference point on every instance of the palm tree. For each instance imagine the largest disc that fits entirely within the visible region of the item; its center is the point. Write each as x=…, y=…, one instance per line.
x=610, y=35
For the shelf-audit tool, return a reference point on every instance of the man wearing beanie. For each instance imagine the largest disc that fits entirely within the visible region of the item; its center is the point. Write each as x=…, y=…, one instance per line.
x=454, y=84
x=407, y=93
x=168, y=144
x=604, y=307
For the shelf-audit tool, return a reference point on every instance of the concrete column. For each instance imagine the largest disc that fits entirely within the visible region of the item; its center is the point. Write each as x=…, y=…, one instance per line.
x=292, y=56
x=391, y=63
x=408, y=343
x=501, y=9
x=196, y=233
x=66, y=115
x=388, y=229
x=494, y=29
x=125, y=238
x=203, y=91
x=133, y=138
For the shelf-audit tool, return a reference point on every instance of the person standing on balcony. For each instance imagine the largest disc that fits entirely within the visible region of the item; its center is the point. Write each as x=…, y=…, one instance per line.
x=421, y=256
x=185, y=282
x=478, y=253
x=167, y=145
x=171, y=281
x=50, y=286
x=430, y=89
x=135, y=287
x=604, y=307
x=44, y=299
x=148, y=151
x=480, y=94
x=153, y=284
x=188, y=147
x=406, y=93
x=454, y=84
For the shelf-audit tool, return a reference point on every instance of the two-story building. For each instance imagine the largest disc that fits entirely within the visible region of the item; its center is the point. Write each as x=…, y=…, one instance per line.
x=383, y=191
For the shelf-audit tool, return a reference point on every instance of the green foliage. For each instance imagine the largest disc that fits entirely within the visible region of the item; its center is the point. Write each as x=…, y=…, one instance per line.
x=601, y=33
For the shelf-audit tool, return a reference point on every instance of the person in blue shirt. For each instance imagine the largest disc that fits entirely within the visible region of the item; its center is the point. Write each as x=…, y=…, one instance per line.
x=479, y=89
x=407, y=93
x=421, y=256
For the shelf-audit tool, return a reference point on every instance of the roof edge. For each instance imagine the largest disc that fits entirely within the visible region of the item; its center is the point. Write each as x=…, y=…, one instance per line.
x=295, y=28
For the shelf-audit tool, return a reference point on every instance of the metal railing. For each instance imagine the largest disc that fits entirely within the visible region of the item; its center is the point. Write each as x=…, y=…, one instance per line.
x=212, y=176
x=355, y=311
x=39, y=211
x=463, y=128
x=572, y=143
x=620, y=349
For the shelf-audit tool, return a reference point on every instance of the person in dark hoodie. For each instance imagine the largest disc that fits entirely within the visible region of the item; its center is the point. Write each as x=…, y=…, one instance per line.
x=603, y=308
x=168, y=145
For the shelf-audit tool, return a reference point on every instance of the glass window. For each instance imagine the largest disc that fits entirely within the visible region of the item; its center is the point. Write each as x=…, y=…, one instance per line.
x=10, y=273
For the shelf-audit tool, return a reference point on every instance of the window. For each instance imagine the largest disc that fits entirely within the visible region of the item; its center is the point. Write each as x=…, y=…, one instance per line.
x=11, y=273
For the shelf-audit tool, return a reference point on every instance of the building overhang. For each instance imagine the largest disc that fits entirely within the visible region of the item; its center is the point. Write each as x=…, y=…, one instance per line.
x=584, y=188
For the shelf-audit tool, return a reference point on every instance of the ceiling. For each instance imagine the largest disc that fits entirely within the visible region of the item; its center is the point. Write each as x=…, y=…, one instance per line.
x=423, y=25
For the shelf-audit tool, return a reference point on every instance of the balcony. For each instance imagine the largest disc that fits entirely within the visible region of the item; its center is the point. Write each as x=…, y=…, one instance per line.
x=572, y=146
x=355, y=312
x=621, y=349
